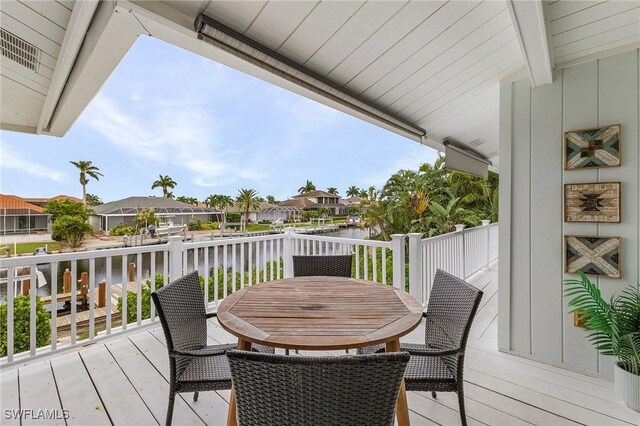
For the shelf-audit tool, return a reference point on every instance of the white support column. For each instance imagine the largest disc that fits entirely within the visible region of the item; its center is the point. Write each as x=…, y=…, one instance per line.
x=287, y=252
x=397, y=248
x=176, y=248
x=415, y=267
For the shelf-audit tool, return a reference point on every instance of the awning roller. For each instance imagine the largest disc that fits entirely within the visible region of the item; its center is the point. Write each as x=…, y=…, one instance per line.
x=249, y=50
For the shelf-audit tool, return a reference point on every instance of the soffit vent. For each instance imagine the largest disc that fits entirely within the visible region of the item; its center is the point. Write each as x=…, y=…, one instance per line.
x=476, y=143
x=19, y=50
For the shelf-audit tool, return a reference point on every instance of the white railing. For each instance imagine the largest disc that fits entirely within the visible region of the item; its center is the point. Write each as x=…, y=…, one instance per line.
x=104, y=279
x=462, y=253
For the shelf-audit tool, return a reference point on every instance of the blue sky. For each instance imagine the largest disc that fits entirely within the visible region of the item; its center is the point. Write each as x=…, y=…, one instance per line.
x=211, y=128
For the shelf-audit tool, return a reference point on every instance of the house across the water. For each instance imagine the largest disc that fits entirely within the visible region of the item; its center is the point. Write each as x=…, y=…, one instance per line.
x=108, y=215
x=22, y=221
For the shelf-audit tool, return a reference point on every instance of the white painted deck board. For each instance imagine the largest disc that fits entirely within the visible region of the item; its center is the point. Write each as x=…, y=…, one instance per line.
x=38, y=392
x=9, y=398
x=130, y=376
x=77, y=393
x=120, y=398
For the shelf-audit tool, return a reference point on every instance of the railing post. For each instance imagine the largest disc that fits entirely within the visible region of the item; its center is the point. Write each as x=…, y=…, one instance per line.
x=176, y=247
x=287, y=252
x=415, y=267
x=397, y=248
x=462, y=255
x=487, y=231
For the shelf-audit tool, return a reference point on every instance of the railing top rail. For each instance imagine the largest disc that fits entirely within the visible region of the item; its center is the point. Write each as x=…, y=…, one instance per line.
x=80, y=255
x=454, y=233
x=223, y=241
x=373, y=243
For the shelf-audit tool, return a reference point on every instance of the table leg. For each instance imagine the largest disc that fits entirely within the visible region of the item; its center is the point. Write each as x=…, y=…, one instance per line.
x=232, y=416
x=402, y=409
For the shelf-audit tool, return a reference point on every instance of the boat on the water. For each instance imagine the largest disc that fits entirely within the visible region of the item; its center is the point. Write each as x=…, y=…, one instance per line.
x=166, y=229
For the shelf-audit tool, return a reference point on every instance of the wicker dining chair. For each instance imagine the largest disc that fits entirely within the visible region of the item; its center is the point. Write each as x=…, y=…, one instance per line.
x=336, y=265
x=327, y=266
x=194, y=366
x=437, y=366
x=278, y=390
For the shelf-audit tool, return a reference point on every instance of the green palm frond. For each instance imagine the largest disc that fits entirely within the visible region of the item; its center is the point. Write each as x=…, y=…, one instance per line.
x=614, y=326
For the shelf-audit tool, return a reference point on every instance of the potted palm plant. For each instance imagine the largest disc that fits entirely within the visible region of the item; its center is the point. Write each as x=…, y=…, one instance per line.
x=615, y=330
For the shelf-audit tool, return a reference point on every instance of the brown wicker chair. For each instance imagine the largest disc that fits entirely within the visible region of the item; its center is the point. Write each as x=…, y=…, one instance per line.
x=278, y=390
x=326, y=266
x=437, y=366
x=194, y=366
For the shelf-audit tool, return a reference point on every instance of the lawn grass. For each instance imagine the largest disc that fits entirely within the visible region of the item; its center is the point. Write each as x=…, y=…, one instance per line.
x=256, y=227
x=22, y=248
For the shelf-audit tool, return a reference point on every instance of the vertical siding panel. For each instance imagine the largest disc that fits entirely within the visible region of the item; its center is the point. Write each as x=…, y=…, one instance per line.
x=504, y=234
x=618, y=103
x=546, y=220
x=520, y=219
x=580, y=111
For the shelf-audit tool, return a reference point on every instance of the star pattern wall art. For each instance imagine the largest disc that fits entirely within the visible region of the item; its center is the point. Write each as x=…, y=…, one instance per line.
x=592, y=202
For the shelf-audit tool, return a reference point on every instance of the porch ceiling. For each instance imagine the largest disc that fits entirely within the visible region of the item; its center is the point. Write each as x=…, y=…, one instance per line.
x=436, y=64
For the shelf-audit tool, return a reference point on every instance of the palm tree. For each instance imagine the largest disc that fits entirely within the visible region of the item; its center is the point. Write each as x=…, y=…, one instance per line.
x=353, y=191
x=87, y=170
x=189, y=200
x=446, y=218
x=332, y=190
x=247, y=200
x=93, y=200
x=307, y=187
x=165, y=182
x=219, y=201
x=271, y=199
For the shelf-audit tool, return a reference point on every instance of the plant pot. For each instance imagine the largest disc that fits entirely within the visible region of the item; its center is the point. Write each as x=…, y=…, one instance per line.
x=485, y=222
x=627, y=387
x=460, y=228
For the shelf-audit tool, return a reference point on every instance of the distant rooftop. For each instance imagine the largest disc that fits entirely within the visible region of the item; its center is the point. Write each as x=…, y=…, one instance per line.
x=17, y=205
x=161, y=205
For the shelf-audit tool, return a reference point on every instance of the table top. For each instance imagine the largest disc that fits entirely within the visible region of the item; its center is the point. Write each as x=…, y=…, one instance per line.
x=319, y=313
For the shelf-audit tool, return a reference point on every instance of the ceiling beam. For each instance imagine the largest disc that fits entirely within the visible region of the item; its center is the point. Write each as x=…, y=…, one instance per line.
x=530, y=22
x=110, y=36
x=74, y=36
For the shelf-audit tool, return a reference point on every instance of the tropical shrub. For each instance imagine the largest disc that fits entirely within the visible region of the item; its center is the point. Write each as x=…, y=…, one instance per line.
x=233, y=217
x=209, y=226
x=132, y=300
x=614, y=326
x=59, y=208
x=146, y=218
x=194, y=224
x=73, y=229
x=21, y=325
x=121, y=229
x=307, y=215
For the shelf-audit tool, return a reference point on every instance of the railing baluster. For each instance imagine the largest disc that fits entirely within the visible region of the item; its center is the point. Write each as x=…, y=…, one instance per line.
x=365, y=253
x=205, y=260
x=139, y=289
x=250, y=265
x=216, y=275
x=54, y=305
x=108, y=265
x=357, y=261
x=125, y=289
x=33, y=289
x=74, y=300
x=225, y=269
x=271, y=259
x=11, y=285
x=92, y=296
x=233, y=268
x=264, y=260
x=242, y=271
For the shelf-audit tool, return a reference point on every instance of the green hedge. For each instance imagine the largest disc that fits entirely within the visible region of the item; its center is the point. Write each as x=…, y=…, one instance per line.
x=21, y=329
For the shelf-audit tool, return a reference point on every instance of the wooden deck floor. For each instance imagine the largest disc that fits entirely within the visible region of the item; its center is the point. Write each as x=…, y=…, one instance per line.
x=125, y=382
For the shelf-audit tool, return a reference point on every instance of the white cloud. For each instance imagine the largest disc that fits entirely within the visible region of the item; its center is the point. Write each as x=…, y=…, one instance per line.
x=12, y=160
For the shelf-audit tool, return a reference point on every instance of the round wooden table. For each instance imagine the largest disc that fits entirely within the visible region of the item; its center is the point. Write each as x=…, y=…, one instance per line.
x=320, y=313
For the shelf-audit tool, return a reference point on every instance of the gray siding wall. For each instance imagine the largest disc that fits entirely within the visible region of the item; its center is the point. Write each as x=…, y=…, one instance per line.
x=533, y=313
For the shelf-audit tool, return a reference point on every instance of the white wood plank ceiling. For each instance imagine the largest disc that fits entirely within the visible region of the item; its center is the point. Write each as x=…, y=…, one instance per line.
x=436, y=64
x=580, y=29
x=43, y=25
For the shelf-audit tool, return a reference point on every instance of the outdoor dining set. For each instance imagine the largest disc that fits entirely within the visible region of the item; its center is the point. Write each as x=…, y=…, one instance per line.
x=320, y=309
